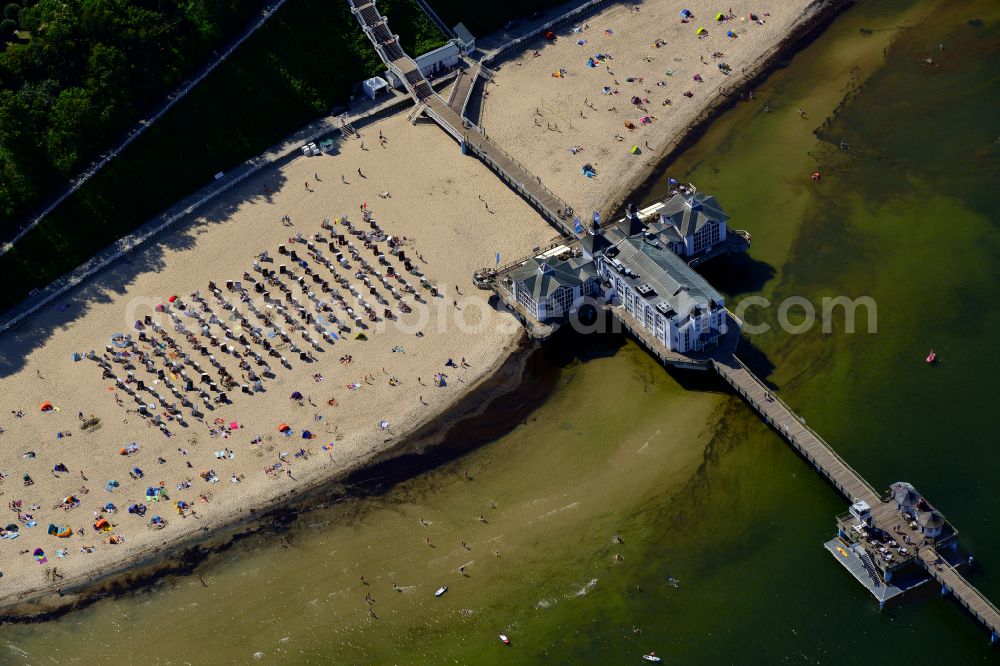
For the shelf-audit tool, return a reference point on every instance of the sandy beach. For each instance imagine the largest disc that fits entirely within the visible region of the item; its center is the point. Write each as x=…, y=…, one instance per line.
x=454, y=213
x=618, y=90
x=198, y=466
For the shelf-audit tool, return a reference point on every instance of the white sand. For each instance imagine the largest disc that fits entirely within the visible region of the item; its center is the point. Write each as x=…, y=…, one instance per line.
x=452, y=210
x=526, y=93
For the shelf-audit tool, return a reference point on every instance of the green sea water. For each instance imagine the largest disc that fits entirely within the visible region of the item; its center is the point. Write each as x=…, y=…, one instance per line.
x=721, y=525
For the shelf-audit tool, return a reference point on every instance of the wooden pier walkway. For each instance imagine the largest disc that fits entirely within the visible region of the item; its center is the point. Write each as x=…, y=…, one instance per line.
x=955, y=584
x=793, y=428
x=852, y=485
x=472, y=138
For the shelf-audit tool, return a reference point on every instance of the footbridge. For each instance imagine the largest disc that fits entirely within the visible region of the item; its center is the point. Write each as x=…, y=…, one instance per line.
x=471, y=138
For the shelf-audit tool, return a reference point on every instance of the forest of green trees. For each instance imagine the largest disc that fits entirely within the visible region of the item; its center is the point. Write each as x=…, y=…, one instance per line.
x=303, y=62
x=74, y=74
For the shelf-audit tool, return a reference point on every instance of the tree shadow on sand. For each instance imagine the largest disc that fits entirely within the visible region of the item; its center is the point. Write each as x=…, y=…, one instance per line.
x=115, y=280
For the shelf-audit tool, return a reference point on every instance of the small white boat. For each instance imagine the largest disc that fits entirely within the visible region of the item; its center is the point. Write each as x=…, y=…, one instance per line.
x=504, y=639
x=652, y=657
x=440, y=591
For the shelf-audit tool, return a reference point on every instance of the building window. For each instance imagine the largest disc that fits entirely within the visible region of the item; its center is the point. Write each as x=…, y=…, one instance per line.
x=561, y=300
x=706, y=237
x=525, y=299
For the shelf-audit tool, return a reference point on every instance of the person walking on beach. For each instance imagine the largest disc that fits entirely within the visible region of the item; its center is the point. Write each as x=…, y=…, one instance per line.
x=802, y=112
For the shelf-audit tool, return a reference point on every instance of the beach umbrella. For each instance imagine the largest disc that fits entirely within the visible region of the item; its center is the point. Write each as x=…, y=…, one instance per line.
x=283, y=427
x=731, y=34
x=671, y=181
x=549, y=35
x=685, y=13
x=383, y=424
x=635, y=150
x=720, y=16
x=701, y=31
x=172, y=298
x=46, y=407
x=295, y=396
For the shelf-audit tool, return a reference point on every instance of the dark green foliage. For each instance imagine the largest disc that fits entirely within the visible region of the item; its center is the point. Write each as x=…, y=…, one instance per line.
x=85, y=72
x=302, y=63
x=483, y=18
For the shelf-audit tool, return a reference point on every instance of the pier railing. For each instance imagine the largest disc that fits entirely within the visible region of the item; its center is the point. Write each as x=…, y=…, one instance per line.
x=874, y=495
x=964, y=592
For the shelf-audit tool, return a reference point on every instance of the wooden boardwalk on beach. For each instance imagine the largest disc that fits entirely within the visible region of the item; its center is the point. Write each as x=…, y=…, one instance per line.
x=472, y=138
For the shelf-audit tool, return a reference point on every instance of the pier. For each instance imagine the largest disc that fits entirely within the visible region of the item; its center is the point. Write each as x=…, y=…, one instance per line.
x=471, y=138
x=884, y=514
x=888, y=547
x=891, y=542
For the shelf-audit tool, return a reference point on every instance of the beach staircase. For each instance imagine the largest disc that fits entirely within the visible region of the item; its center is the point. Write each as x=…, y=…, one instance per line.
x=472, y=139
x=417, y=113
x=866, y=562
x=347, y=130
